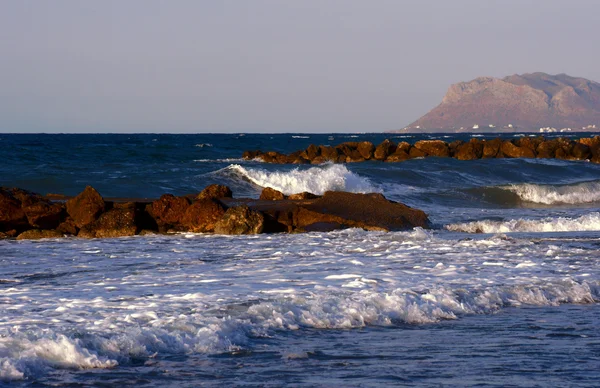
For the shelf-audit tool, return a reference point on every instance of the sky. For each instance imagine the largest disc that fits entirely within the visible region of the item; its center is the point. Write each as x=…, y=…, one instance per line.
x=270, y=65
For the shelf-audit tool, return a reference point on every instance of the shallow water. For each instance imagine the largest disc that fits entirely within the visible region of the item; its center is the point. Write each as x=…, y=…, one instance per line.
x=503, y=291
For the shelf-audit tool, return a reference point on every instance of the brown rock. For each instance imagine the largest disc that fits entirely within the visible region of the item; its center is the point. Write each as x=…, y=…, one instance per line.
x=311, y=152
x=491, y=148
x=271, y=194
x=366, y=149
x=329, y=153
x=547, y=149
x=215, y=192
x=240, y=220
x=433, y=147
x=319, y=160
x=273, y=157
x=119, y=221
x=202, y=216
x=581, y=151
x=302, y=196
x=86, y=207
x=453, y=147
x=385, y=149
x=416, y=153
x=470, y=151
x=168, y=211
x=251, y=155
x=36, y=234
x=11, y=214
x=367, y=211
x=68, y=227
x=512, y=151
x=40, y=212
x=398, y=156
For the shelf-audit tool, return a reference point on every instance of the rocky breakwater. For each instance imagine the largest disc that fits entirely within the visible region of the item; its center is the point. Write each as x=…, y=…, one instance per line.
x=388, y=151
x=27, y=215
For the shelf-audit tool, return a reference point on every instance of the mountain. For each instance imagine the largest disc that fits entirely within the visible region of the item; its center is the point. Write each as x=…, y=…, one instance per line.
x=523, y=102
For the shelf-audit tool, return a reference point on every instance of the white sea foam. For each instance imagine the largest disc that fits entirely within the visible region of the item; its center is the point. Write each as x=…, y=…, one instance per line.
x=584, y=192
x=588, y=222
x=226, y=160
x=300, y=137
x=316, y=180
x=202, y=145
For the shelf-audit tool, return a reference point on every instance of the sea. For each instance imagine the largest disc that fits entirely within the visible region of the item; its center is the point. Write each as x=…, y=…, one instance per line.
x=501, y=291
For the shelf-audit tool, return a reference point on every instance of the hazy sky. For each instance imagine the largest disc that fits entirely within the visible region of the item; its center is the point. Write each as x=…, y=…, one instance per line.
x=272, y=65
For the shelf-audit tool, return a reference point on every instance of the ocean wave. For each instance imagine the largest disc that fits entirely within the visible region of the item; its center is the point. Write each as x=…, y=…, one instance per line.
x=584, y=192
x=316, y=180
x=40, y=351
x=588, y=222
x=300, y=137
x=202, y=145
x=226, y=160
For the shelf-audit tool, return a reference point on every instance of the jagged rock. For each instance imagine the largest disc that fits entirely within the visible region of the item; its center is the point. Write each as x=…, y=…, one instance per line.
x=271, y=194
x=11, y=214
x=415, y=153
x=8, y=234
x=36, y=234
x=302, y=196
x=398, y=156
x=168, y=211
x=329, y=153
x=433, y=147
x=40, y=212
x=86, y=207
x=202, y=216
x=581, y=151
x=68, y=227
x=547, y=149
x=512, y=151
x=385, y=149
x=311, y=152
x=470, y=151
x=491, y=148
x=215, y=192
x=273, y=157
x=240, y=220
x=366, y=149
x=251, y=155
x=120, y=221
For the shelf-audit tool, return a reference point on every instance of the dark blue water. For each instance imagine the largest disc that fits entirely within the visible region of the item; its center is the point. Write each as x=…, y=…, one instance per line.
x=503, y=291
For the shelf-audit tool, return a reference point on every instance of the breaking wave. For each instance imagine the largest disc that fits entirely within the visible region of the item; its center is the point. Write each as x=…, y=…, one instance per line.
x=584, y=192
x=316, y=180
x=588, y=222
x=37, y=353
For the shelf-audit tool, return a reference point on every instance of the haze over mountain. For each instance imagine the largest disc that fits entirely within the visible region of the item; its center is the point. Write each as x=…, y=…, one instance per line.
x=525, y=102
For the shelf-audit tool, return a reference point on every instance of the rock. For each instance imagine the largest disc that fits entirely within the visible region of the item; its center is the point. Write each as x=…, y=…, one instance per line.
x=68, y=227
x=470, y=151
x=366, y=149
x=240, y=220
x=512, y=151
x=215, y=192
x=415, y=153
x=329, y=153
x=491, y=148
x=302, y=196
x=251, y=155
x=433, y=147
x=398, y=156
x=120, y=221
x=8, y=234
x=202, y=216
x=168, y=211
x=453, y=147
x=319, y=160
x=385, y=149
x=40, y=212
x=86, y=207
x=367, y=211
x=547, y=149
x=311, y=152
x=581, y=151
x=271, y=194
x=11, y=214
x=36, y=234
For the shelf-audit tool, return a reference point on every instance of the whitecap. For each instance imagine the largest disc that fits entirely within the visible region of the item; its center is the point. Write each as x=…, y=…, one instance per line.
x=588, y=222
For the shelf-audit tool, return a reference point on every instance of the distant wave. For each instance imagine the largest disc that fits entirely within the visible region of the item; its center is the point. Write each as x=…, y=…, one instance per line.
x=584, y=192
x=588, y=222
x=515, y=194
x=226, y=160
x=300, y=137
x=316, y=180
x=202, y=145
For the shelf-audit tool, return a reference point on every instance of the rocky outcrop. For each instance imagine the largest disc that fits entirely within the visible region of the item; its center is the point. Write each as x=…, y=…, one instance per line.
x=527, y=102
x=475, y=148
x=88, y=215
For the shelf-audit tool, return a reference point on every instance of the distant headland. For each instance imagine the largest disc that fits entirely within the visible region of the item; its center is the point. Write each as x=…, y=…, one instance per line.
x=536, y=102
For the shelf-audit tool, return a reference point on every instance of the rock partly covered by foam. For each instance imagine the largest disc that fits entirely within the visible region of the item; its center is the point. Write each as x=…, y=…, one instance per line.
x=475, y=148
x=28, y=215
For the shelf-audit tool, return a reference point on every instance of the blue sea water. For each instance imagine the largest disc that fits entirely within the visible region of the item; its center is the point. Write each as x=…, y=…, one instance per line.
x=503, y=291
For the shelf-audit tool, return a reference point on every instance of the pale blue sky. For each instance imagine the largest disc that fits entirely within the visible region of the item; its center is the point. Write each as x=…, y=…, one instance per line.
x=270, y=65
